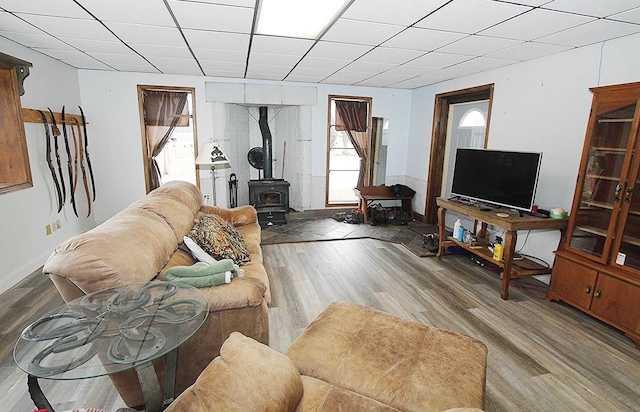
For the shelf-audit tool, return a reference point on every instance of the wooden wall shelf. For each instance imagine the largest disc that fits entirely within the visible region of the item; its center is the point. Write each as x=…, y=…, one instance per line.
x=32, y=116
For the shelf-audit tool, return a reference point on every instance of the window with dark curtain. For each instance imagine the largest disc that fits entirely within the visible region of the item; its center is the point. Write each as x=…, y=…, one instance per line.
x=163, y=112
x=352, y=117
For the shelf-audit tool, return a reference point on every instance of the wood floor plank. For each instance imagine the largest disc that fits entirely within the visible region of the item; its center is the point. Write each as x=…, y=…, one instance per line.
x=543, y=356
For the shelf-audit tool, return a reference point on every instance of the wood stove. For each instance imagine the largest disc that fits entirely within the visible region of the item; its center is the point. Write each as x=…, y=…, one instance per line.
x=269, y=196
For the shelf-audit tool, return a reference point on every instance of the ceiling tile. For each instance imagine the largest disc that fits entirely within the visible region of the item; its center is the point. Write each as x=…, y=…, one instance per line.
x=425, y=80
x=117, y=59
x=90, y=64
x=139, y=11
x=221, y=55
x=482, y=64
x=41, y=40
x=87, y=45
x=60, y=8
x=528, y=50
x=240, y=3
x=389, y=55
x=596, y=31
x=260, y=75
x=191, y=15
x=534, y=3
x=190, y=69
x=410, y=71
x=280, y=45
x=65, y=54
x=66, y=27
x=224, y=73
x=478, y=45
x=273, y=59
x=153, y=50
x=346, y=77
x=361, y=32
x=217, y=40
x=369, y=67
x=144, y=34
x=389, y=12
x=311, y=72
x=438, y=60
x=269, y=69
x=597, y=8
x=208, y=65
x=11, y=23
x=338, y=50
x=536, y=23
x=415, y=38
x=471, y=16
x=322, y=63
x=302, y=78
x=382, y=80
x=137, y=68
x=631, y=16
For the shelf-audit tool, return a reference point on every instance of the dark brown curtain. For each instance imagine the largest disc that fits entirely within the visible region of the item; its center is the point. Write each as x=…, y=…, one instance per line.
x=163, y=112
x=352, y=117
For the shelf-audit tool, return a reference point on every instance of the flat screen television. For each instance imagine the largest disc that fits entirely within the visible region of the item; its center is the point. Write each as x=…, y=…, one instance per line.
x=497, y=177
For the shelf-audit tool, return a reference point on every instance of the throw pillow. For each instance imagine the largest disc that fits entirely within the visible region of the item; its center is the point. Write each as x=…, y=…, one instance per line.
x=220, y=239
x=197, y=251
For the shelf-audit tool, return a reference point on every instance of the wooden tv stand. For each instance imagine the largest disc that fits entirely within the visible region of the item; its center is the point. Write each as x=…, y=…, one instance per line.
x=511, y=224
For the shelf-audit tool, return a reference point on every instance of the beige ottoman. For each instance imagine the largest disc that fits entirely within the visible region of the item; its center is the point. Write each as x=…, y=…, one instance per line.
x=401, y=364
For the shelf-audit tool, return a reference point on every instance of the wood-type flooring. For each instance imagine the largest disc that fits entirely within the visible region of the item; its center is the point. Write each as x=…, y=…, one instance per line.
x=543, y=356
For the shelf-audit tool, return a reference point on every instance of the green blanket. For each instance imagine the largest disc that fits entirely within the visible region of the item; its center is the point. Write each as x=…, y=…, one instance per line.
x=202, y=274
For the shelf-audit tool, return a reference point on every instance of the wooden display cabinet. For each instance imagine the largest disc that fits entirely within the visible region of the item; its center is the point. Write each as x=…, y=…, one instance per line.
x=597, y=268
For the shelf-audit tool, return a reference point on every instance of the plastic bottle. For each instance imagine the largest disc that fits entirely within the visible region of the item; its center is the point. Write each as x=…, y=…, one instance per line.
x=456, y=228
x=498, y=251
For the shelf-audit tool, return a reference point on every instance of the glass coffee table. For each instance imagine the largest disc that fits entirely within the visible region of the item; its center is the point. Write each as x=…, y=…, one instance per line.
x=111, y=331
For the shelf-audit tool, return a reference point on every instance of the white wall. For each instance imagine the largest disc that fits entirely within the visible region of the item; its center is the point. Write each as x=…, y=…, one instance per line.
x=25, y=213
x=539, y=105
x=111, y=98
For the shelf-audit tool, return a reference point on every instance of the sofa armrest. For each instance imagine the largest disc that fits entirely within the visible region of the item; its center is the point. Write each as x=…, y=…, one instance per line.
x=238, y=216
x=246, y=376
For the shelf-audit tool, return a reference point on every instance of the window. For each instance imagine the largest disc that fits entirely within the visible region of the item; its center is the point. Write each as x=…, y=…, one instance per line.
x=168, y=134
x=348, y=148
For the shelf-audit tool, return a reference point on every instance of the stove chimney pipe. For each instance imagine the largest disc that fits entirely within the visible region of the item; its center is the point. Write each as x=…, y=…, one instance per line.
x=266, y=143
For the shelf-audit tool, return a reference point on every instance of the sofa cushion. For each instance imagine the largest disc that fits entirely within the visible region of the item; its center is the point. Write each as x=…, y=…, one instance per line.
x=219, y=238
x=324, y=397
x=184, y=192
x=131, y=247
x=247, y=376
x=400, y=363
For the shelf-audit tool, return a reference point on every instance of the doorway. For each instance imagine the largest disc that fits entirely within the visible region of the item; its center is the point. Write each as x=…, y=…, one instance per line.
x=439, y=138
x=169, y=139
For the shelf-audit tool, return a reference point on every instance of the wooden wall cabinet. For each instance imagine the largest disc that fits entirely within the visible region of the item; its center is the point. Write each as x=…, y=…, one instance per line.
x=15, y=172
x=597, y=268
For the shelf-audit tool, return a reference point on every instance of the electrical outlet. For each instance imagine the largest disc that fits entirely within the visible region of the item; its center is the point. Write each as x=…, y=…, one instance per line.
x=48, y=229
x=206, y=199
x=58, y=224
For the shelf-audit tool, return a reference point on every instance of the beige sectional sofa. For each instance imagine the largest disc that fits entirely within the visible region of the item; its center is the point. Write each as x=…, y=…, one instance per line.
x=138, y=245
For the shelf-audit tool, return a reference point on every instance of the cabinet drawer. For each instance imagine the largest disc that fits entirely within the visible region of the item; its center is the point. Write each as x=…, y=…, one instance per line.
x=617, y=301
x=573, y=282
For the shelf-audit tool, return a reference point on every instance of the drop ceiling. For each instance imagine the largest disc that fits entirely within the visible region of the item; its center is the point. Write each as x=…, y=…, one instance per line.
x=380, y=43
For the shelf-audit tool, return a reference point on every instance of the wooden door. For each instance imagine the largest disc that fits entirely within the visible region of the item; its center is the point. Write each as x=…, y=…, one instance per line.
x=617, y=301
x=573, y=282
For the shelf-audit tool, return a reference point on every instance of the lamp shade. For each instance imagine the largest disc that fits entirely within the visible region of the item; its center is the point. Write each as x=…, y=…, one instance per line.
x=211, y=155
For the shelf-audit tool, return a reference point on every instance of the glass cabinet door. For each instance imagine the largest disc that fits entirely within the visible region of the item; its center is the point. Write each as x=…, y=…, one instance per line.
x=595, y=213
x=627, y=247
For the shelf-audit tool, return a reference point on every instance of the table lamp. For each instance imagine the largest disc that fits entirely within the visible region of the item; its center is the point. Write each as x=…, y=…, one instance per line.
x=211, y=155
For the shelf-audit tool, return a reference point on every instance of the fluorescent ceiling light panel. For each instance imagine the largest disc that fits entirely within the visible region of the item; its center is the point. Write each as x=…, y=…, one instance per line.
x=295, y=18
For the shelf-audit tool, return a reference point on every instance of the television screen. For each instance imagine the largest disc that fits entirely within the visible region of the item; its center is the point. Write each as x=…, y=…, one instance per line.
x=499, y=177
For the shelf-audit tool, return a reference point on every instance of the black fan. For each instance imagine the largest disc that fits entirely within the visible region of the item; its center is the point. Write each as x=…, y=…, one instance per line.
x=256, y=157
